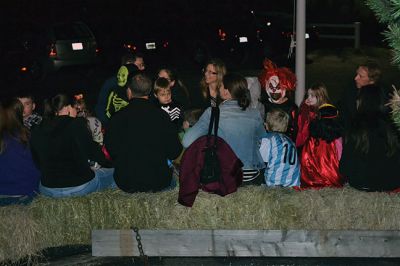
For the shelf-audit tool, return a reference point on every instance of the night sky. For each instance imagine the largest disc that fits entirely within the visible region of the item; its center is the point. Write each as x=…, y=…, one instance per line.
x=114, y=15
x=108, y=18
x=317, y=10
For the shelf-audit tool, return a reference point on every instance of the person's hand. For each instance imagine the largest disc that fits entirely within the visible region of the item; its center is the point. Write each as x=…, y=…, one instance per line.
x=186, y=125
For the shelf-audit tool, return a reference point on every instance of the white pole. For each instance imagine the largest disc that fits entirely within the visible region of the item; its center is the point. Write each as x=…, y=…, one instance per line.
x=300, y=50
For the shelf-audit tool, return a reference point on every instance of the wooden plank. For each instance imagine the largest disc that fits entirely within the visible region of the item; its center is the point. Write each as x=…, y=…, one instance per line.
x=247, y=243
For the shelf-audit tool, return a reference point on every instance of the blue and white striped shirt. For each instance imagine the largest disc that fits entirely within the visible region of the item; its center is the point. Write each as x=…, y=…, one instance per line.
x=280, y=156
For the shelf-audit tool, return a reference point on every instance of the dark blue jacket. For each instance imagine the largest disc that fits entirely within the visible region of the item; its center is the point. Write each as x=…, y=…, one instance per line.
x=101, y=105
x=18, y=174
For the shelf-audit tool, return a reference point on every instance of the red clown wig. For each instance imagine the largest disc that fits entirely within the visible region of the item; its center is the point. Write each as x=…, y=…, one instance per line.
x=287, y=79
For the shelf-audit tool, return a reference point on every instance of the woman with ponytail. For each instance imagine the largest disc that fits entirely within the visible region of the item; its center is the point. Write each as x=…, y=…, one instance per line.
x=241, y=127
x=62, y=147
x=19, y=178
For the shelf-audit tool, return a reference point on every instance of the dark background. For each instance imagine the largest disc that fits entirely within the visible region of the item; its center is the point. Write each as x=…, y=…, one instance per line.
x=180, y=16
x=181, y=20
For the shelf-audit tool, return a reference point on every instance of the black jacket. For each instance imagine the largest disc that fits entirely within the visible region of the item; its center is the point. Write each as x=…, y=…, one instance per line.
x=180, y=97
x=61, y=148
x=374, y=171
x=175, y=113
x=347, y=103
x=140, y=139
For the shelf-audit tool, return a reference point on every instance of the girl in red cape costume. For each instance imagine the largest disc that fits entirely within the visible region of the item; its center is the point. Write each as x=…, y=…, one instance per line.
x=316, y=96
x=321, y=153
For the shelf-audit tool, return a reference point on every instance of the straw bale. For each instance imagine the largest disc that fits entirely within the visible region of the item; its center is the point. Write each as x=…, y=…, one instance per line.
x=19, y=234
x=56, y=222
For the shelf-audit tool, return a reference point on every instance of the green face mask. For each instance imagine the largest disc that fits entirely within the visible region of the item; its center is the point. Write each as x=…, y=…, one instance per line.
x=122, y=76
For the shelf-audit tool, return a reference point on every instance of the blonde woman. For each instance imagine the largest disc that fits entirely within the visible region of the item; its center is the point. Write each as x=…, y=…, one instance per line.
x=212, y=81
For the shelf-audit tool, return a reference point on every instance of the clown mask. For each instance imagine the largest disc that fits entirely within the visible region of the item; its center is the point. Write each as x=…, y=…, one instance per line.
x=275, y=92
x=122, y=76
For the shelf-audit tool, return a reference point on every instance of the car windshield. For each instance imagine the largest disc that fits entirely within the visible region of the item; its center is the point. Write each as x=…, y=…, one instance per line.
x=71, y=31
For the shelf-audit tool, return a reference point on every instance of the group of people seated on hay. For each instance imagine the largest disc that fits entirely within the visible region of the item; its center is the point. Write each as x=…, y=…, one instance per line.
x=143, y=126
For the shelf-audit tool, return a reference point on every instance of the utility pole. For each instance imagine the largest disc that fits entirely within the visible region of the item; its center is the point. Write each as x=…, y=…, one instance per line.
x=300, y=50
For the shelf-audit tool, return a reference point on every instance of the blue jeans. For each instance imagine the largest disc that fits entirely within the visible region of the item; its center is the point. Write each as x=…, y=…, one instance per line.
x=11, y=200
x=172, y=185
x=103, y=179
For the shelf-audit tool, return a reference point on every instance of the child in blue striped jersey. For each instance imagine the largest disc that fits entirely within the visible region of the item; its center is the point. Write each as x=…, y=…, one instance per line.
x=279, y=152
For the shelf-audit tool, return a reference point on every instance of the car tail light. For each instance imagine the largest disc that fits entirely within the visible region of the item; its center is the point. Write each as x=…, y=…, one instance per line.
x=53, y=51
x=97, y=50
x=222, y=34
x=166, y=44
x=130, y=47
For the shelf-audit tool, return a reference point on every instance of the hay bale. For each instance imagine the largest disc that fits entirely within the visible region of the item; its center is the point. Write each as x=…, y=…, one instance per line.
x=19, y=234
x=58, y=222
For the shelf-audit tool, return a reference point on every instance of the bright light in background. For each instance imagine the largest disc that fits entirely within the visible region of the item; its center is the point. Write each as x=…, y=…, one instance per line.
x=77, y=46
x=269, y=23
x=243, y=39
x=150, y=45
x=307, y=36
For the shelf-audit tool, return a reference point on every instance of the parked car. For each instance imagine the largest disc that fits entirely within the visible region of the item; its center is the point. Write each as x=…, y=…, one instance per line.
x=71, y=44
x=34, y=50
x=152, y=41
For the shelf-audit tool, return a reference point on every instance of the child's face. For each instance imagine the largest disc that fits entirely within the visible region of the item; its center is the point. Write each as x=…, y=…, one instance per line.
x=29, y=106
x=311, y=98
x=164, y=96
x=81, y=109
